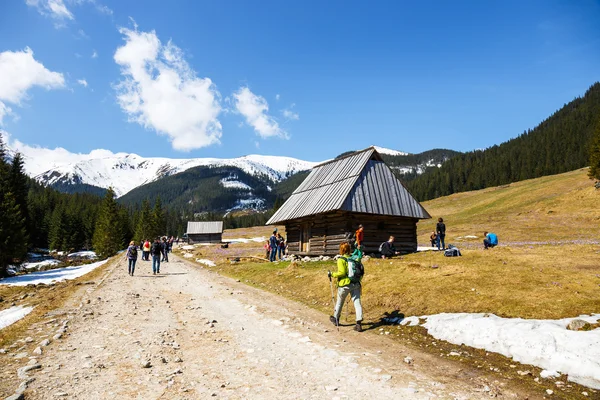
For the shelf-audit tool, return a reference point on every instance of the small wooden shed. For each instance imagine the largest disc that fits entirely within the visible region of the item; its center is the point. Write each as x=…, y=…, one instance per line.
x=205, y=232
x=338, y=195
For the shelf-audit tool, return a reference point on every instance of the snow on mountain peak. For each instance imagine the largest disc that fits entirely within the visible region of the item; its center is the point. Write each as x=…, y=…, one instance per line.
x=390, y=152
x=126, y=171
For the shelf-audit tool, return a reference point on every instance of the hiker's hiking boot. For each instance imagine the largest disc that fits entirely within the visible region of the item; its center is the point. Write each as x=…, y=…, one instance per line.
x=358, y=327
x=333, y=320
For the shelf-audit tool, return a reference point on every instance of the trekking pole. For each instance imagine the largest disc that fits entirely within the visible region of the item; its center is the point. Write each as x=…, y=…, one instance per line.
x=337, y=324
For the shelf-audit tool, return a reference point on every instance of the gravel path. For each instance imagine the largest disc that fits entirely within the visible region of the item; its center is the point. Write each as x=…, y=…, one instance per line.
x=192, y=334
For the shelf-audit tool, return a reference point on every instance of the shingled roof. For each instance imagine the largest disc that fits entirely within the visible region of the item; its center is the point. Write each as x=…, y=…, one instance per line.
x=205, y=227
x=360, y=182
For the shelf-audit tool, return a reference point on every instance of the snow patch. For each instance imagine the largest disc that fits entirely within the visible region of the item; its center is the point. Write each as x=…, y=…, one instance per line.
x=12, y=315
x=547, y=344
x=390, y=152
x=51, y=276
x=83, y=254
x=230, y=183
x=39, y=264
x=259, y=239
x=206, y=262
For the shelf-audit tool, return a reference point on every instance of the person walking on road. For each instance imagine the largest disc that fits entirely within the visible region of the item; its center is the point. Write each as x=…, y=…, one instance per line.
x=146, y=250
x=440, y=228
x=156, y=251
x=346, y=286
x=131, y=257
x=165, y=250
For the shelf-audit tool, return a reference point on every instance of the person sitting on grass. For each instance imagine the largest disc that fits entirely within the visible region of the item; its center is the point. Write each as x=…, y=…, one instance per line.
x=387, y=249
x=491, y=240
x=433, y=239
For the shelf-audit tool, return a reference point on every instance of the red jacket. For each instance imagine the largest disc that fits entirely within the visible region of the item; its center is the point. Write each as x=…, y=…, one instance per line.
x=359, y=237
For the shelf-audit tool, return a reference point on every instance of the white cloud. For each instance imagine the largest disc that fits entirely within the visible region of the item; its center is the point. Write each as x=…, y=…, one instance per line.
x=254, y=108
x=94, y=54
x=289, y=114
x=160, y=91
x=19, y=72
x=82, y=82
x=55, y=9
x=277, y=97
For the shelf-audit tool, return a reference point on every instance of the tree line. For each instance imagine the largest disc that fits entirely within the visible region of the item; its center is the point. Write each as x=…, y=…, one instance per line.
x=561, y=143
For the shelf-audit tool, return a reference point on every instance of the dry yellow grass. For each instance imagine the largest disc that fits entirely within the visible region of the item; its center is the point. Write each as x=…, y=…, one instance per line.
x=43, y=298
x=516, y=279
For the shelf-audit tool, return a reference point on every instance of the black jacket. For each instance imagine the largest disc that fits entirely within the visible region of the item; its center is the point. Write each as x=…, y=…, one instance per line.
x=156, y=249
x=388, y=249
x=440, y=228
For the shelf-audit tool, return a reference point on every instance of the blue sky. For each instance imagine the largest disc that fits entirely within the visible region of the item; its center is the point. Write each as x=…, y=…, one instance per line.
x=306, y=79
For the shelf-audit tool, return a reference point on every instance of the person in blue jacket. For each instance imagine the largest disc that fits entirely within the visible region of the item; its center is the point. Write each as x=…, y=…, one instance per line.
x=273, y=243
x=491, y=240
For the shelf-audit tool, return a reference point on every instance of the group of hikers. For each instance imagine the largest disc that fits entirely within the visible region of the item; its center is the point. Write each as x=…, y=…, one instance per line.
x=438, y=237
x=159, y=250
x=276, y=245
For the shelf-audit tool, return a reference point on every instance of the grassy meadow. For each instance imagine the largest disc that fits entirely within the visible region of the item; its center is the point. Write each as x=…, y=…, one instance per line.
x=547, y=264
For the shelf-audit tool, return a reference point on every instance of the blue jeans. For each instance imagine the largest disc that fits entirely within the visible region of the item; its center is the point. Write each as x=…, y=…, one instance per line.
x=273, y=254
x=440, y=238
x=280, y=250
x=132, y=265
x=156, y=264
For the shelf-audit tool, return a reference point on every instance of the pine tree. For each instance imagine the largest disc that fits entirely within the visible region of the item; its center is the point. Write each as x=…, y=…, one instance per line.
x=20, y=188
x=143, y=229
x=107, y=235
x=13, y=234
x=159, y=223
x=594, y=172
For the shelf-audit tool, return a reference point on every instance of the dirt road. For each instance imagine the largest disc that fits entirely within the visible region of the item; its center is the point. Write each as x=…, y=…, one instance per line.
x=190, y=334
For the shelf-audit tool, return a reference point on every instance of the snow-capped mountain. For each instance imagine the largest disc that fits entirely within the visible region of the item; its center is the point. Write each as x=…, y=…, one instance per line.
x=124, y=172
x=249, y=179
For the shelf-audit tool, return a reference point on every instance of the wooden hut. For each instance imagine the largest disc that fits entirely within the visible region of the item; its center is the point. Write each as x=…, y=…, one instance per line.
x=338, y=195
x=205, y=232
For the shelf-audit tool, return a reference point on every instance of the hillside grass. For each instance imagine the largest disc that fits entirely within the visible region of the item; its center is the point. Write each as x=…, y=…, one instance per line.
x=563, y=207
x=523, y=277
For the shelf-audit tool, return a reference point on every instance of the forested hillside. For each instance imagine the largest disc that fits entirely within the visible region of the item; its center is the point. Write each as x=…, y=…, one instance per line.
x=559, y=144
x=206, y=189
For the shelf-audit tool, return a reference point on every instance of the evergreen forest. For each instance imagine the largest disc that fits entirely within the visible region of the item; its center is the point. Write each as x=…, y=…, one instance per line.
x=561, y=143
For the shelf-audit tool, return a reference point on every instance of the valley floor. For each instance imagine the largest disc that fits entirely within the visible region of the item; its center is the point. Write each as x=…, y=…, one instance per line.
x=203, y=335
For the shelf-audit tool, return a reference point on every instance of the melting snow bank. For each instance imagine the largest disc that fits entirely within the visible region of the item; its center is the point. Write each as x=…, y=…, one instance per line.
x=206, y=262
x=51, y=276
x=544, y=343
x=12, y=315
x=259, y=239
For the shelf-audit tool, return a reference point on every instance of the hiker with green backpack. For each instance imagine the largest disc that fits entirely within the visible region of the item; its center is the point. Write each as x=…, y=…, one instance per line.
x=349, y=274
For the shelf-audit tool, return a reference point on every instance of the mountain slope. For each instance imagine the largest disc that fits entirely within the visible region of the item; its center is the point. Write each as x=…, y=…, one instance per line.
x=125, y=172
x=207, y=189
x=558, y=144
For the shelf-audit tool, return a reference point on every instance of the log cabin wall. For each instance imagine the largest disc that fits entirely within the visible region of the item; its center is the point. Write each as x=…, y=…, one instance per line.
x=328, y=231
x=205, y=238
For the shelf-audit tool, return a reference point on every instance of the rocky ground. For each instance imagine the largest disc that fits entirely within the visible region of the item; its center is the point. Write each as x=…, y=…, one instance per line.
x=189, y=333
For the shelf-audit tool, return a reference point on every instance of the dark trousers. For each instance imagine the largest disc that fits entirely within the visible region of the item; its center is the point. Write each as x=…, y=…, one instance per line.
x=156, y=264
x=440, y=240
x=487, y=244
x=273, y=254
x=132, y=265
x=165, y=256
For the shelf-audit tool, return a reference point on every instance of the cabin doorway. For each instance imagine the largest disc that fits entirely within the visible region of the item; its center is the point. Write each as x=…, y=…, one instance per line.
x=304, y=238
